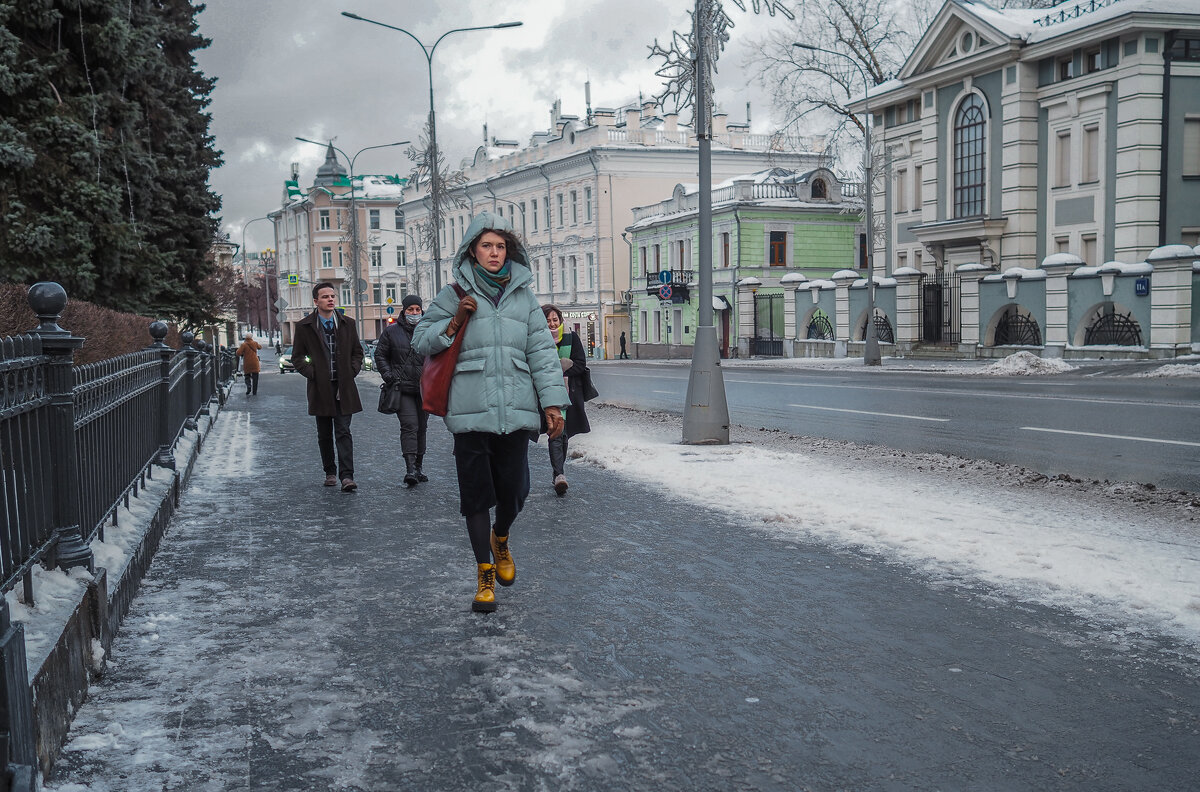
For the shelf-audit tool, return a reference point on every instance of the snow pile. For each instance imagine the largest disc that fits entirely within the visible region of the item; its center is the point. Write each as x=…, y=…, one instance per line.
x=56, y=594
x=1025, y=363
x=1107, y=557
x=1172, y=370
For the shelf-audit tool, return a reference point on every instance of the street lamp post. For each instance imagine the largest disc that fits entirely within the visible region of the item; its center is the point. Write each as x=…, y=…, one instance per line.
x=435, y=176
x=355, y=243
x=246, y=266
x=871, y=356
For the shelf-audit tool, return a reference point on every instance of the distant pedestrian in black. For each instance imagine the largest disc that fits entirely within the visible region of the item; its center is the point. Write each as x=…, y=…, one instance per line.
x=574, y=366
x=326, y=352
x=396, y=361
x=251, y=365
x=624, y=354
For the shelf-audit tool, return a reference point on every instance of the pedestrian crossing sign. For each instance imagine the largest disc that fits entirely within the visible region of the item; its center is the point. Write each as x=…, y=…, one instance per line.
x=293, y=280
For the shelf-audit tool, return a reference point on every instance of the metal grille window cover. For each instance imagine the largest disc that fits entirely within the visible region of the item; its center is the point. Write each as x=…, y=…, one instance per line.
x=970, y=171
x=820, y=327
x=883, y=329
x=1015, y=328
x=768, y=326
x=1110, y=328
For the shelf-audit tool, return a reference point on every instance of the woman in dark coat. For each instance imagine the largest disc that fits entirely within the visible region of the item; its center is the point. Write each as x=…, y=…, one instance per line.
x=398, y=362
x=574, y=366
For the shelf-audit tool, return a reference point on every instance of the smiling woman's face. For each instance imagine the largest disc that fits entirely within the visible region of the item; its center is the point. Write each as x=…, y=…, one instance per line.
x=553, y=321
x=490, y=251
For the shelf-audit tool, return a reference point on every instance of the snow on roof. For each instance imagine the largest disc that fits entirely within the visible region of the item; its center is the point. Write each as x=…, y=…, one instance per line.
x=1114, y=268
x=1041, y=24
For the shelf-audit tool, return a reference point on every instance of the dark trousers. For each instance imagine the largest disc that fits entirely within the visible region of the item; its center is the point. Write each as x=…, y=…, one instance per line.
x=413, y=423
x=251, y=383
x=558, y=454
x=331, y=430
x=624, y=354
x=493, y=470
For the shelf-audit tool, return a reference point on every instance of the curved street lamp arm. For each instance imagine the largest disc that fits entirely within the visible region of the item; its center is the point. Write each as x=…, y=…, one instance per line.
x=427, y=50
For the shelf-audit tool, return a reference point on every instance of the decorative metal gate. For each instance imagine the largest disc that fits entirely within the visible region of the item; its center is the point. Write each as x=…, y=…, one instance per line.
x=1014, y=328
x=768, y=326
x=940, y=298
x=1112, y=328
x=883, y=329
x=819, y=327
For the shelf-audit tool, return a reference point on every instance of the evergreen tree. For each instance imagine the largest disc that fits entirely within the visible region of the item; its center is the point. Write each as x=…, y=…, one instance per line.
x=105, y=152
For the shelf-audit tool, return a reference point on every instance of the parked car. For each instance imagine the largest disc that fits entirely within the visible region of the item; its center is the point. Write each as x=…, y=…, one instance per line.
x=285, y=360
x=369, y=356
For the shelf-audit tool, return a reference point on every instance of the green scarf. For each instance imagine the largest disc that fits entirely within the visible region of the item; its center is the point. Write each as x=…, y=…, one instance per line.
x=492, y=284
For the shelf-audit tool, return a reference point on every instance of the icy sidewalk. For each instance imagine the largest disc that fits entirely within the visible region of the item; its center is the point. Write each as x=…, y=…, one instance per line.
x=685, y=618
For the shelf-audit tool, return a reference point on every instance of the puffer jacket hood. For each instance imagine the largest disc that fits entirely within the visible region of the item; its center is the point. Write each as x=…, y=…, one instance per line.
x=508, y=368
x=464, y=265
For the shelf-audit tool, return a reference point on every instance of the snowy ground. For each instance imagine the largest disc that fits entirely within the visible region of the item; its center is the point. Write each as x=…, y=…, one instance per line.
x=1120, y=555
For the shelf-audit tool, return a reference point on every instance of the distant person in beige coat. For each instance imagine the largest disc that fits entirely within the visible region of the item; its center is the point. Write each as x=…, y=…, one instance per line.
x=251, y=366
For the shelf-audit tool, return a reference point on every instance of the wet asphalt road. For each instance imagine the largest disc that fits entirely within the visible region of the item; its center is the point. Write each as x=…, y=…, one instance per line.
x=648, y=644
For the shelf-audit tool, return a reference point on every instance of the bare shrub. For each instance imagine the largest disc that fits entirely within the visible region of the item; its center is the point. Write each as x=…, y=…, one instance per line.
x=107, y=333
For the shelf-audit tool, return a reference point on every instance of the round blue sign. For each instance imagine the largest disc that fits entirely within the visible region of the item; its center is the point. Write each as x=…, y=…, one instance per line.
x=664, y=276
x=391, y=309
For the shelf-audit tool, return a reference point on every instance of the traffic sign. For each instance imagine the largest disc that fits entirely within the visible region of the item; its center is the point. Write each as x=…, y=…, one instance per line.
x=664, y=291
x=665, y=303
x=391, y=309
x=390, y=301
x=293, y=280
x=664, y=276
x=281, y=316
x=281, y=303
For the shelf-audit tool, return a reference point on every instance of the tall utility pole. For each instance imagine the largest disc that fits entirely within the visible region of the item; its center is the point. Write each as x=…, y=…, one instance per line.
x=355, y=241
x=436, y=198
x=706, y=412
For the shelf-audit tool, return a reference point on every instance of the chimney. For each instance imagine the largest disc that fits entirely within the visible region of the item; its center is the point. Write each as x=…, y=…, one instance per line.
x=671, y=123
x=604, y=116
x=718, y=123
x=632, y=120
x=649, y=108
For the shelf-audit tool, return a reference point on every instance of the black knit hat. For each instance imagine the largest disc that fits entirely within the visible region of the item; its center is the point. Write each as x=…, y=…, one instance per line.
x=412, y=299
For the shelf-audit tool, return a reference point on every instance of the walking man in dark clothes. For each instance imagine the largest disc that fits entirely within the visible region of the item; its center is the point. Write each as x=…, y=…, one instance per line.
x=326, y=351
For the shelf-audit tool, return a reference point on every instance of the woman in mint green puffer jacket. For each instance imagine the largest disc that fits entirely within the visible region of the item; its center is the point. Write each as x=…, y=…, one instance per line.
x=507, y=367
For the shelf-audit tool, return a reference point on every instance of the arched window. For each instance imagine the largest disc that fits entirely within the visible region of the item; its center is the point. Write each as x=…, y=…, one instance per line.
x=818, y=189
x=970, y=128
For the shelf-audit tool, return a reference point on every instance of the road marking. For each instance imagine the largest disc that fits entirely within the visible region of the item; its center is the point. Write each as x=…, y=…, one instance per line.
x=672, y=393
x=1111, y=436
x=868, y=412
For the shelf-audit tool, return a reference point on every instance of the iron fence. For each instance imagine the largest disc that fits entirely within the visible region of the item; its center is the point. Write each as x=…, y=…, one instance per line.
x=75, y=442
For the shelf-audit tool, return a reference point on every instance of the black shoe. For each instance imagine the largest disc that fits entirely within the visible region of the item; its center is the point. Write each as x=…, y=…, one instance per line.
x=348, y=485
x=421, y=476
x=410, y=480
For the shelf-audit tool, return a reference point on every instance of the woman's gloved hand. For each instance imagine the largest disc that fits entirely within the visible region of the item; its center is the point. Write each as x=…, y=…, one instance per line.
x=554, y=422
x=466, y=307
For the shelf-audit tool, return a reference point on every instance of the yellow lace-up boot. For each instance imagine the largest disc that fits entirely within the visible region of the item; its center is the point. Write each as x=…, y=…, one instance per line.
x=485, y=595
x=506, y=568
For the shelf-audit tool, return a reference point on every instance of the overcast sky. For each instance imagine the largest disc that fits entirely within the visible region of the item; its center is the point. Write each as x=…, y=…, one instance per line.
x=288, y=68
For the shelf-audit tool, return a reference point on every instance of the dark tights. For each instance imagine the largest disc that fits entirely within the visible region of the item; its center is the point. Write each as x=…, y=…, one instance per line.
x=493, y=471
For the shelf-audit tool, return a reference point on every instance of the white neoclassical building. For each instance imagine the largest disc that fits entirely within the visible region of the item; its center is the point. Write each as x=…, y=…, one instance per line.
x=1012, y=136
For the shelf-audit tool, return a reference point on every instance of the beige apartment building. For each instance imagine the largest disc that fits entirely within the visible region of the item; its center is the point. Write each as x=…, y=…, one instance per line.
x=315, y=242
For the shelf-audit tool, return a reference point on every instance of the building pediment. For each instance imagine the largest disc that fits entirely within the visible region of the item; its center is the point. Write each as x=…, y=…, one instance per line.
x=955, y=35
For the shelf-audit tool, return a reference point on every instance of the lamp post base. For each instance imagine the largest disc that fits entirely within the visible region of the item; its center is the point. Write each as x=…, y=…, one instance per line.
x=706, y=413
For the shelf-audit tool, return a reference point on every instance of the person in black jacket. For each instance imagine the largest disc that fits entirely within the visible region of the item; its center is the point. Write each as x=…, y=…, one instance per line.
x=574, y=366
x=396, y=361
